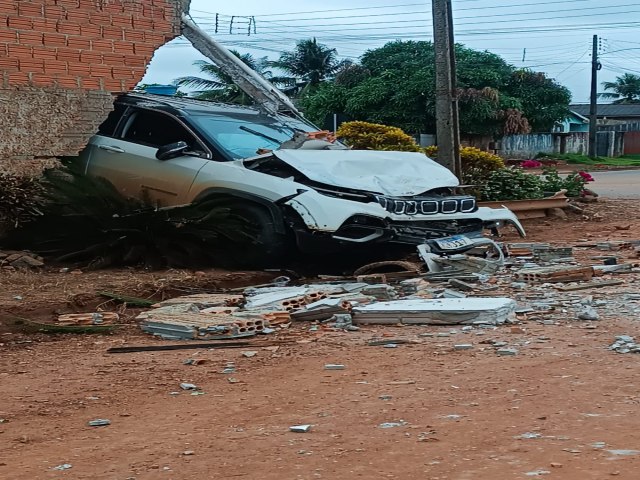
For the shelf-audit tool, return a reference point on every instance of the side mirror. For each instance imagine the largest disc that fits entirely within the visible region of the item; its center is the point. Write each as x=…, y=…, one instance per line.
x=171, y=150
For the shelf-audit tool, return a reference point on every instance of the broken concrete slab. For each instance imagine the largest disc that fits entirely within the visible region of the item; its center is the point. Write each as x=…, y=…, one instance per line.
x=446, y=311
x=555, y=274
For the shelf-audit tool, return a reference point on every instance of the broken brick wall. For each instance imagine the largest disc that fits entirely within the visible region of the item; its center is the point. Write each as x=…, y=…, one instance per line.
x=61, y=63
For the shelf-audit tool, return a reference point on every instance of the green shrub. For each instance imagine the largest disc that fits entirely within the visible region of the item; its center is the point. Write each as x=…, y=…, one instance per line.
x=512, y=184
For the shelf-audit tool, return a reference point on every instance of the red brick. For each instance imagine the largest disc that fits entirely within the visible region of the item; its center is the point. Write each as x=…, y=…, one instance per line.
x=122, y=20
x=78, y=16
x=68, y=4
x=79, y=42
x=91, y=31
x=89, y=5
x=139, y=72
x=9, y=64
x=79, y=69
x=31, y=65
x=138, y=61
x=113, y=58
x=142, y=23
x=42, y=80
x=135, y=8
x=99, y=18
x=113, y=33
x=123, y=47
x=123, y=72
x=91, y=57
x=8, y=7
x=19, y=51
x=91, y=83
x=30, y=38
x=28, y=9
x=133, y=36
x=151, y=11
x=154, y=38
x=55, y=40
x=45, y=53
x=55, y=67
x=102, y=46
x=20, y=23
x=68, y=54
x=170, y=13
x=145, y=49
x=18, y=78
x=69, y=28
x=54, y=12
x=101, y=71
x=113, y=7
x=67, y=81
x=114, y=85
x=45, y=25
x=8, y=36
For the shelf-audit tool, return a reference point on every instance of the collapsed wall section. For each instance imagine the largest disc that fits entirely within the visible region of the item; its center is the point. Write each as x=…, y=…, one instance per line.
x=61, y=63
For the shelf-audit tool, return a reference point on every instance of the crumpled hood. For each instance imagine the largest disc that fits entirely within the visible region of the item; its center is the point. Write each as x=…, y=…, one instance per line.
x=401, y=174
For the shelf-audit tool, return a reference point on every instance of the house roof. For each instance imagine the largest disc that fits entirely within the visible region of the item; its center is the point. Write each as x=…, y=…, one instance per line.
x=580, y=117
x=609, y=110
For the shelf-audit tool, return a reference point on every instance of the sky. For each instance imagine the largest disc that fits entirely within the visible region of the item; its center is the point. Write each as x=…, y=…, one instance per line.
x=552, y=36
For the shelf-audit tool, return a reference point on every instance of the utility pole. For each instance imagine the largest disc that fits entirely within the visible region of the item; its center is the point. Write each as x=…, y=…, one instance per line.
x=447, y=125
x=593, y=108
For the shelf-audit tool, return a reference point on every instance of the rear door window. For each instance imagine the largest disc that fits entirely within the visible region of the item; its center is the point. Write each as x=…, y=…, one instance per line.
x=108, y=127
x=155, y=129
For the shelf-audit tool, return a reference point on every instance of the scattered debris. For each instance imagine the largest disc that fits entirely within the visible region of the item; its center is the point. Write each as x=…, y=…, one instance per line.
x=188, y=386
x=333, y=366
x=594, y=284
x=588, y=313
x=528, y=436
x=625, y=344
x=182, y=346
x=97, y=318
x=249, y=354
x=400, y=423
x=20, y=260
x=555, y=274
x=507, y=352
x=537, y=473
x=100, y=422
x=130, y=301
x=64, y=466
x=300, y=428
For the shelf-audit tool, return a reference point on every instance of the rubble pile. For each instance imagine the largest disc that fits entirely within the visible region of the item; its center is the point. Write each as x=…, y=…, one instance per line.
x=19, y=260
x=534, y=282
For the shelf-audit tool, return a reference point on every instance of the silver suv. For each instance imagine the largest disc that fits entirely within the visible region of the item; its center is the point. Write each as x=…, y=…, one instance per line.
x=312, y=194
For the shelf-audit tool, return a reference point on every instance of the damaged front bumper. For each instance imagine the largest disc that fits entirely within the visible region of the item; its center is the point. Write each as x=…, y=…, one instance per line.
x=350, y=222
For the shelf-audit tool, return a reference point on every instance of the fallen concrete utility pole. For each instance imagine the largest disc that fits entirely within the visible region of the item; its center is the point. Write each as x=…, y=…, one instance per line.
x=260, y=90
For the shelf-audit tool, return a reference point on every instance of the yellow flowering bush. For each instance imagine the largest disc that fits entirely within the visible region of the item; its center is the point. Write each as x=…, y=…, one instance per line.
x=472, y=158
x=373, y=136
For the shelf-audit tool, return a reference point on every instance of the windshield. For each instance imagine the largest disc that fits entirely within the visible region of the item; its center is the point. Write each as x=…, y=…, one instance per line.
x=241, y=136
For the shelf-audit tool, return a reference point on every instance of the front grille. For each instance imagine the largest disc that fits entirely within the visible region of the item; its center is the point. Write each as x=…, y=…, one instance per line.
x=428, y=205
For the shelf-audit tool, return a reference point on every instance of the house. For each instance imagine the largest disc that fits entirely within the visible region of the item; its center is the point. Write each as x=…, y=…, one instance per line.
x=574, y=122
x=611, y=114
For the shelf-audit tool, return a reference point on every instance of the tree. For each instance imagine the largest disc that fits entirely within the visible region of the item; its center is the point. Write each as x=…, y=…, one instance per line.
x=310, y=61
x=395, y=85
x=625, y=89
x=218, y=85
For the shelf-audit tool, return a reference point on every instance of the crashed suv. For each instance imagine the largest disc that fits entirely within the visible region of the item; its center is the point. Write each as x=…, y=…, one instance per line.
x=321, y=195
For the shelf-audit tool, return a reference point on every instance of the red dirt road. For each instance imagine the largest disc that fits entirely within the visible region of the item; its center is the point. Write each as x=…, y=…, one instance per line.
x=463, y=409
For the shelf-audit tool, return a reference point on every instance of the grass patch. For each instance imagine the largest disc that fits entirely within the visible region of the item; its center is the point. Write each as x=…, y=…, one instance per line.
x=575, y=159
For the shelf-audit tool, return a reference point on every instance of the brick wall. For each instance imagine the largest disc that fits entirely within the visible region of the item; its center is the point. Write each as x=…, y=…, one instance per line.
x=61, y=61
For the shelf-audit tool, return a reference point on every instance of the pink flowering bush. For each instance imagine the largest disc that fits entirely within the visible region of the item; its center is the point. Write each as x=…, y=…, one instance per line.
x=531, y=164
x=573, y=183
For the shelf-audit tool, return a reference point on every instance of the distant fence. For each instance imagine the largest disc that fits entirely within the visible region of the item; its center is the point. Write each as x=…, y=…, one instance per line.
x=528, y=146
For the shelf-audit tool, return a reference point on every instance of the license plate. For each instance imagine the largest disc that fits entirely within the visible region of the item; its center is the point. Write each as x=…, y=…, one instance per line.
x=454, y=243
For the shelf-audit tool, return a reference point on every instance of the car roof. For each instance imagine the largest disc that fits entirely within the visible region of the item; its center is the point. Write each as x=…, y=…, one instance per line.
x=188, y=105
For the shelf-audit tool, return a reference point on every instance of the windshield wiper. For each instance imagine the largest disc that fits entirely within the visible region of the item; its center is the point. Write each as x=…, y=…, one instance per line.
x=259, y=134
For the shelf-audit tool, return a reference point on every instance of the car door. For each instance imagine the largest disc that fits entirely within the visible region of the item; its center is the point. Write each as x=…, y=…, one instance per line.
x=128, y=159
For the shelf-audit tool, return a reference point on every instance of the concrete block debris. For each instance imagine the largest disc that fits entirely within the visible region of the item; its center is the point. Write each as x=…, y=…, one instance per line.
x=555, y=274
x=400, y=423
x=507, y=352
x=588, y=313
x=446, y=311
x=100, y=422
x=204, y=300
x=249, y=354
x=550, y=254
x=372, y=279
x=334, y=366
x=188, y=386
x=625, y=344
x=522, y=249
x=300, y=428
x=463, y=346
x=95, y=318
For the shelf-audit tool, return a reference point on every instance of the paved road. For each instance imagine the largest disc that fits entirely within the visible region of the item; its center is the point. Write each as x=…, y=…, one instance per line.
x=617, y=184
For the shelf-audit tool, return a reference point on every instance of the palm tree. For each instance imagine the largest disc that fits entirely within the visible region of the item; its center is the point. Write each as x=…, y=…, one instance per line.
x=218, y=85
x=310, y=61
x=626, y=89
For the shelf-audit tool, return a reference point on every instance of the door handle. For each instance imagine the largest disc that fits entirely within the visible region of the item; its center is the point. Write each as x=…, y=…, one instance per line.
x=111, y=148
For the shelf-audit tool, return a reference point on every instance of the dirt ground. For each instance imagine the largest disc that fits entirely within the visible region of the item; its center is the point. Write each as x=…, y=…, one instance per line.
x=565, y=407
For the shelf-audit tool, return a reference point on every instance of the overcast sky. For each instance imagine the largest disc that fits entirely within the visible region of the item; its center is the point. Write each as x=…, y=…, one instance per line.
x=557, y=35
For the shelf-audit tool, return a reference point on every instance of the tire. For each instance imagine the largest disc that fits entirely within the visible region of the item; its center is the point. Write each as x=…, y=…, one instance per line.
x=270, y=247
